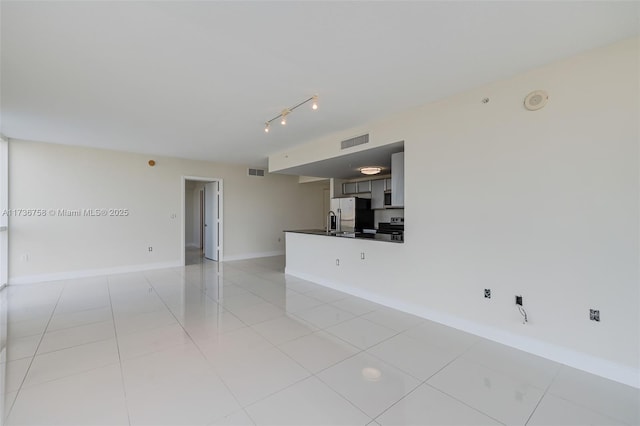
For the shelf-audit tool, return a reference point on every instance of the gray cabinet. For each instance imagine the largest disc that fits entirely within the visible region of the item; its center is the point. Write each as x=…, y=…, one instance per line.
x=349, y=188
x=361, y=187
x=364, y=186
x=377, y=193
x=397, y=179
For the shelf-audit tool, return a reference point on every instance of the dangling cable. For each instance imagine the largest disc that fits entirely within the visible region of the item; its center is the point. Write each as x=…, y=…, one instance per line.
x=524, y=314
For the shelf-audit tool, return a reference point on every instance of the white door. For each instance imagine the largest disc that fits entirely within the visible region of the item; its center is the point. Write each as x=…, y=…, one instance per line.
x=211, y=221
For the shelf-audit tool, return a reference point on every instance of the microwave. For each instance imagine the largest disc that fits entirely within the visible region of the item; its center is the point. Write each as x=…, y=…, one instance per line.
x=387, y=198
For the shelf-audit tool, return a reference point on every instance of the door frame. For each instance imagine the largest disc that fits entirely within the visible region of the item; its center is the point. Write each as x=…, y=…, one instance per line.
x=184, y=179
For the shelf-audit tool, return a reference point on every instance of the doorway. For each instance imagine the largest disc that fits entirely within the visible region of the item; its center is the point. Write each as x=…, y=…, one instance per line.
x=202, y=220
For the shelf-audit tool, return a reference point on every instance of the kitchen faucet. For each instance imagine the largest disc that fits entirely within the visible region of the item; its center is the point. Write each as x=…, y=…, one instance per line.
x=331, y=212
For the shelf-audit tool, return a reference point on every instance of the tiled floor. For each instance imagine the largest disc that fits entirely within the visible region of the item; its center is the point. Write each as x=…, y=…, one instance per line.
x=241, y=343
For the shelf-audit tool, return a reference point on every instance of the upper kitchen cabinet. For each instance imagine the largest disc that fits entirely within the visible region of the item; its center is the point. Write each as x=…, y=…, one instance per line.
x=364, y=186
x=397, y=179
x=350, y=188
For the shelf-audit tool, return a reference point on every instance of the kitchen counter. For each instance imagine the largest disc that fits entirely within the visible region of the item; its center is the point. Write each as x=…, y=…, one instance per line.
x=357, y=235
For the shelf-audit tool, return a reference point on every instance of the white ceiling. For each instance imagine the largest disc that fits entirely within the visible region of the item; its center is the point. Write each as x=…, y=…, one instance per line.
x=199, y=79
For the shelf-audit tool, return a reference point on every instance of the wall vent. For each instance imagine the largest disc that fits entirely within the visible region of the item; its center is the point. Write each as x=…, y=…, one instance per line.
x=358, y=140
x=256, y=172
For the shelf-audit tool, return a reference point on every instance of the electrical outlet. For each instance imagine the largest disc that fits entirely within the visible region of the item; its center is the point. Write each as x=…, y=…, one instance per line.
x=487, y=293
x=594, y=315
x=519, y=300
x=150, y=248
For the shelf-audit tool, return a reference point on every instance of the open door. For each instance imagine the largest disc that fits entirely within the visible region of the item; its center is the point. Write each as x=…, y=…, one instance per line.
x=211, y=221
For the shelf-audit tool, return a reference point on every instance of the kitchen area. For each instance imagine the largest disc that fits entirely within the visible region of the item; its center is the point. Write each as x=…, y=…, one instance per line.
x=366, y=195
x=364, y=221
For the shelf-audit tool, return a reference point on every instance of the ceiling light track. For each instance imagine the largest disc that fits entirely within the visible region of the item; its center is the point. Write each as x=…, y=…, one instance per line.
x=285, y=112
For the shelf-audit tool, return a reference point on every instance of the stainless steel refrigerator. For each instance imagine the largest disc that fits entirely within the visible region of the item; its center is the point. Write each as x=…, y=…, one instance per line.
x=353, y=214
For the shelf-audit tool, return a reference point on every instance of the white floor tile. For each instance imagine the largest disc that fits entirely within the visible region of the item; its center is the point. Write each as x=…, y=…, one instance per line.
x=22, y=347
x=257, y=375
x=393, y=319
x=182, y=400
x=368, y=383
x=240, y=301
x=239, y=418
x=299, y=302
x=15, y=373
x=175, y=386
x=324, y=316
x=361, y=333
x=9, y=399
x=202, y=326
x=609, y=398
x=319, y=350
x=35, y=326
x=283, y=329
x=309, y=402
x=428, y=406
x=301, y=286
x=443, y=336
x=95, y=397
x=132, y=345
x=415, y=357
x=233, y=344
x=76, y=319
x=257, y=313
x=163, y=366
x=59, y=364
x=515, y=363
x=555, y=411
x=356, y=306
x=132, y=323
x=327, y=295
x=70, y=337
x=499, y=396
x=185, y=359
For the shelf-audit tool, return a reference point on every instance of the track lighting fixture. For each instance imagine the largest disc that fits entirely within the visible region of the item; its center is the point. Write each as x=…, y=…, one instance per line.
x=285, y=112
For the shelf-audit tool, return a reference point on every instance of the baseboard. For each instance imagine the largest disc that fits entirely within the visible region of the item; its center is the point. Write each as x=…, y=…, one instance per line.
x=3, y=286
x=253, y=255
x=581, y=361
x=192, y=245
x=57, y=276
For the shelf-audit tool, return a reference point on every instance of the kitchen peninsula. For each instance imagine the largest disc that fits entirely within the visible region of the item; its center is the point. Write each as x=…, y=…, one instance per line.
x=357, y=264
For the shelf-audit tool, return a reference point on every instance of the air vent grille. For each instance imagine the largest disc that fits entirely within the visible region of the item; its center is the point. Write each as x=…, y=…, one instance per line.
x=358, y=140
x=256, y=172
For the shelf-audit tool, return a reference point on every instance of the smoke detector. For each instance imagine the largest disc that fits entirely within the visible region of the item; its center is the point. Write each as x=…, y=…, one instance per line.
x=536, y=100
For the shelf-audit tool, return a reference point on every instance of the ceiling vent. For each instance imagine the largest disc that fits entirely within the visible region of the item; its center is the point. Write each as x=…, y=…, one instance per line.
x=358, y=140
x=256, y=172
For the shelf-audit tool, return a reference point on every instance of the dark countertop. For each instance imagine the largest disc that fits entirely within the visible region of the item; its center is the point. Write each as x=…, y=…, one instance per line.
x=357, y=235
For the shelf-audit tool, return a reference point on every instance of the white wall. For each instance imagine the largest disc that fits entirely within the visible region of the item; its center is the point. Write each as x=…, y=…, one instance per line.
x=543, y=204
x=48, y=176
